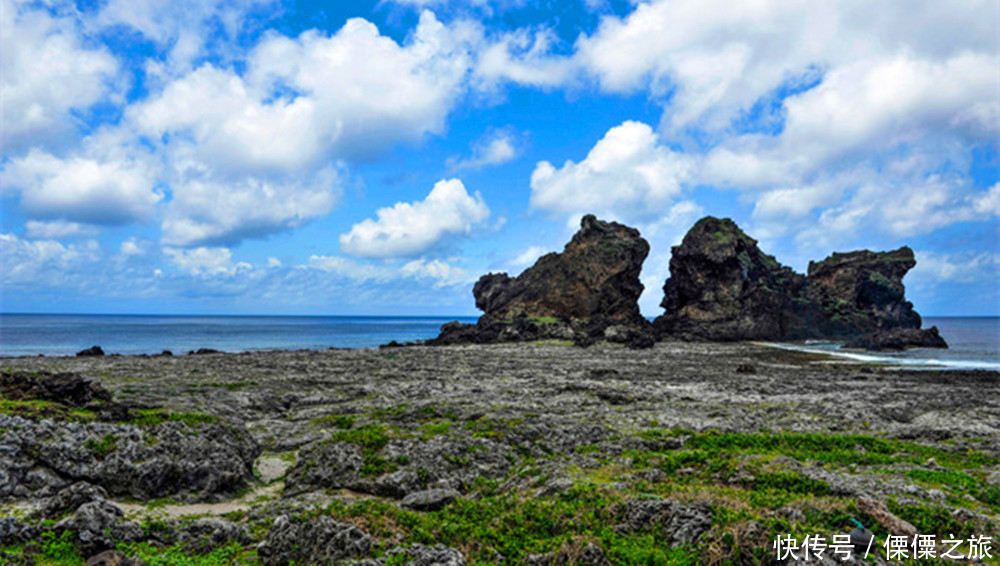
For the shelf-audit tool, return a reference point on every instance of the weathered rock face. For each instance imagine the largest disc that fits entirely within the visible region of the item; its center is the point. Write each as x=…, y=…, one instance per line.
x=596, y=274
x=593, y=282
x=862, y=291
x=723, y=287
x=196, y=461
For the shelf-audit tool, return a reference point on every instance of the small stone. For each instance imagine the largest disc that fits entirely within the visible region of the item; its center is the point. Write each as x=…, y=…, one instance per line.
x=91, y=351
x=430, y=499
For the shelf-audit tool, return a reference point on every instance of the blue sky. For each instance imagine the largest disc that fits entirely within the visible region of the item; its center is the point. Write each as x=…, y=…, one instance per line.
x=259, y=156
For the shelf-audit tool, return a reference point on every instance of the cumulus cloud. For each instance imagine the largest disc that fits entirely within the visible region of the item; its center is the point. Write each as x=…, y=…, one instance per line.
x=248, y=154
x=628, y=174
x=49, y=71
x=82, y=188
x=408, y=229
x=493, y=148
x=716, y=59
x=303, y=99
x=207, y=211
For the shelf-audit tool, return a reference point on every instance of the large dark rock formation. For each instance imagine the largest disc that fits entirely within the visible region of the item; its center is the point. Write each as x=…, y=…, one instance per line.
x=723, y=287
x=593, y=285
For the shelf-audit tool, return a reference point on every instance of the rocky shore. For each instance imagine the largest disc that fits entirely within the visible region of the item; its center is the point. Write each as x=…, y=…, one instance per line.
x=512, y=453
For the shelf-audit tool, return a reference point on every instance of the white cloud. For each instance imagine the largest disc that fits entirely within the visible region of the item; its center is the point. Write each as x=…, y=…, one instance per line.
x=716, y=58
x=442, y=272
x=133, y=246
x=349, y=268
x=408, y=229
x=183, y=27
x=628, y=174
x=204, y=260
x=56, y=229
x=303, y=99
x=273, y=262
x=207, y=211
x=48, y=72
x=988, y=203
x=936, y=267
x=493, y=148
x=247, y=155
x=524, y=57
x=528, y=257
x=82, y=188
x=31, y=261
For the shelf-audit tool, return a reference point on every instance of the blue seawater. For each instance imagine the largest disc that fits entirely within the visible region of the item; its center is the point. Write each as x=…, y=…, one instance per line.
x=62, y=335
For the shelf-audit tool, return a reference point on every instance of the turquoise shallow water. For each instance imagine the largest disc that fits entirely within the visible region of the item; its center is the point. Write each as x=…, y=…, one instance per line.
x=60, y=335
x=975, y=342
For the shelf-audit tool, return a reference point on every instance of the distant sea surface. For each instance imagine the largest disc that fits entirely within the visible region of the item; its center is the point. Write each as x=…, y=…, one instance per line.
x=64, y=335
x=975, y=342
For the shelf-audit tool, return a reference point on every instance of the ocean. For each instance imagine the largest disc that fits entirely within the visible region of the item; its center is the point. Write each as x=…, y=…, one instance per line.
x=975, y=342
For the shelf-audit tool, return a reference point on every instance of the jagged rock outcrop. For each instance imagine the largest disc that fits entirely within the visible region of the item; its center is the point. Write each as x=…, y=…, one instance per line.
x=860, y=292
x=312, y=541
x=723, y=287
x=50, y=440
x=577, y=294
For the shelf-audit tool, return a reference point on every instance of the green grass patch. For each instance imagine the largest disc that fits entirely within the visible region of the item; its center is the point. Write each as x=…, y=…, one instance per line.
x=371, y=438
x=434, y=428
x=840, y=449
x=101, y=448
x=175, y=556
x=37, y=409
x=153, y=417
x=515, y=527
x=343, y=422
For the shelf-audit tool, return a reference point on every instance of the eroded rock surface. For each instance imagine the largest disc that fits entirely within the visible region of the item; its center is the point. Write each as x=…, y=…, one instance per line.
x=576, y=294
x=723, y=287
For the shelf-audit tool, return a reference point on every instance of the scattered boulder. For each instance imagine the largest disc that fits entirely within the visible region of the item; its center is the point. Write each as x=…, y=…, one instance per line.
x=203, y=351
x=430, y=499
x=69, y=389
x=97, y=526
x=679, y=523
x=319, y=540
x=878, y=511
x=91, y=351
x=70, y=499
x=576, y=294
x=13, y=531
x=899, y=339
x=195, y=461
